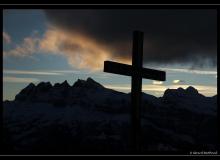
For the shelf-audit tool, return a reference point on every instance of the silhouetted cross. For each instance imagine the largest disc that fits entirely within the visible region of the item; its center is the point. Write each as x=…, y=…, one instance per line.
x=136, y=72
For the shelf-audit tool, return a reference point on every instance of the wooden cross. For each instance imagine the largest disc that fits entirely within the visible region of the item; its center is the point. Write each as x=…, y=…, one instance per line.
x=137, y=73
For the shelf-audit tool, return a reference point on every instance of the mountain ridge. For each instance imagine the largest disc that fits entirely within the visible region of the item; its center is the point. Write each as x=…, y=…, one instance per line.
x=92, y=84
x=87, y=117
x=91, y=93
x=80, y=83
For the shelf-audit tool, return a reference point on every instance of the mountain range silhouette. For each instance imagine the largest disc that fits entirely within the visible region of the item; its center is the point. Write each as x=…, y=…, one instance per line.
x=89, y=118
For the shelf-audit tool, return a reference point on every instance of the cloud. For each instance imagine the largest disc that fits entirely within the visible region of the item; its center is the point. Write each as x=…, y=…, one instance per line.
x=80, y=51
x=146, y=87
x=191, y=71
x=9, y=79
x=177, y=81
x=51, y=72
x=6, y=38
x=157, y=82
x=171, y=36
x=29, y=72
x=89, y=37
x=27, y=48
x=118, y=87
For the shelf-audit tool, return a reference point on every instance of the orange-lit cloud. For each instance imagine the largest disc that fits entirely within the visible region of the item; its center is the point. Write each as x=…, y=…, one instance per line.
x=165, y=38
x=80, y=51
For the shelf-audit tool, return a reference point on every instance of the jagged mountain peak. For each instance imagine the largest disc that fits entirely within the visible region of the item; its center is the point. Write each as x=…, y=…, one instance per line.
x=44, y=84
x=93, y=83
x=180, y=89
x=28, y=89
x=79, y=83
x=89, y=79
x=89, y=83
x=64, y=84
x=189, y=91
x=192, y=90
x=31, y=85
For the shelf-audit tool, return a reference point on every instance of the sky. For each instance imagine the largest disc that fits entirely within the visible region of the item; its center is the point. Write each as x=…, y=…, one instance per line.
x=58, y=45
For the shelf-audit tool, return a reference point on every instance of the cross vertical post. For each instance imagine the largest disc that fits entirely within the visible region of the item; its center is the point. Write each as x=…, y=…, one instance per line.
x=136, y=94
x=137, y=72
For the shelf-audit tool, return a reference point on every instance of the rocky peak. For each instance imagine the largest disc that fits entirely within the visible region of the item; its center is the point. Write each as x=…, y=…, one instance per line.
x=65, y=84
x=89, y=83
x=25, y=92
x=31, y=85
x=180, y=90
x=79, y=83
x=93, y=83
x=173, y=92
x=44, y=86
x=57, y=85
x=28, y=89
x=191, y=90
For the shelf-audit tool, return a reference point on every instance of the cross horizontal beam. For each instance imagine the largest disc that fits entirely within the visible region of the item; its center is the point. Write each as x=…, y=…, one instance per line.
x=128, y=70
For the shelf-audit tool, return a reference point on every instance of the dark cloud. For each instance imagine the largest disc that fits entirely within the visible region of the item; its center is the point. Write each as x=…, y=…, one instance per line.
x=177, y=36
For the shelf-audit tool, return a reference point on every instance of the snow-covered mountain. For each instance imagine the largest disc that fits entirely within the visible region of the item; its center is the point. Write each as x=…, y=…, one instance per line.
x=89, y=118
